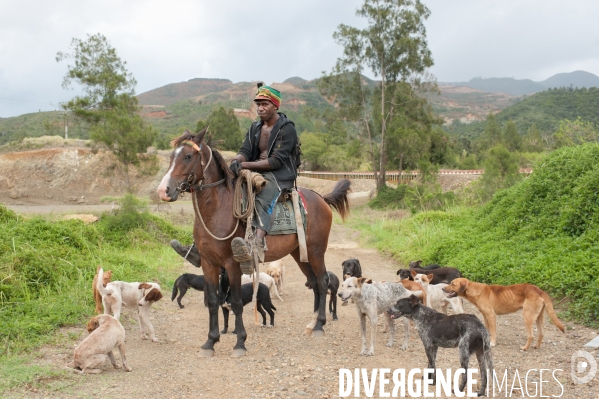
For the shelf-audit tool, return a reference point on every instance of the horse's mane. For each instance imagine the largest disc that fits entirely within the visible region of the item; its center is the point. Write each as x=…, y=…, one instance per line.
x=187, y=135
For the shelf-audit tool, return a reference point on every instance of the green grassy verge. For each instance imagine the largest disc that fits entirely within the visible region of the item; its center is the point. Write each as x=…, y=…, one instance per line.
x=47, y=267
x=543, y=231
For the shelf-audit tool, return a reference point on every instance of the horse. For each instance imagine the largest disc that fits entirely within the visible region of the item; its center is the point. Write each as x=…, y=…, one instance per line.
x=191, y=169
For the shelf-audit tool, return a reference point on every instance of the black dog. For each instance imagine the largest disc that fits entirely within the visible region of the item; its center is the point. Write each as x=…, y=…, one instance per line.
x=247, y=292
x=351, y=268
x=333, y=285
x=185, y=281
x=463, y=331
x=440, y=275
x=417, y=265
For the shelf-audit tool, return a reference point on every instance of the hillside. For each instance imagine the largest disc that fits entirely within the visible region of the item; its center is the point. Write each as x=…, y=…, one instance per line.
x=520, y=87
x=545, y=109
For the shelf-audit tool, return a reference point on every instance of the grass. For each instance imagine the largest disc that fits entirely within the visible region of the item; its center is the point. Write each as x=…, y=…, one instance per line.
x=543, y=231
x=46, y=269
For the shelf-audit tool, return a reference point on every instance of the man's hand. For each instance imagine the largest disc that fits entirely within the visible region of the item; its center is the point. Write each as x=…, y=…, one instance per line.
x=235, y=167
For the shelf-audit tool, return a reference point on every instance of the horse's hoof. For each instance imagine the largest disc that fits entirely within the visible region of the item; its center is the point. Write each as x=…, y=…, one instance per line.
x=206, y=352
x=318, y=333
x=238, y=352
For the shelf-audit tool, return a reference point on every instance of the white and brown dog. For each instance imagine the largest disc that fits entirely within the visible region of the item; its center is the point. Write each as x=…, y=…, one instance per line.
x=138, y=296
x=372, y=300
x=264, y=279
x=105, y=332
x=435, y=297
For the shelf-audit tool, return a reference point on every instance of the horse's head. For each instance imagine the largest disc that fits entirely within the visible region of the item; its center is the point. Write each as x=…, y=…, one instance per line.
x=186, y=167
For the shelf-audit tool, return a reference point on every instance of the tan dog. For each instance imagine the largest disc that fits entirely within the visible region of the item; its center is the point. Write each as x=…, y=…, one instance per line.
x=106, y=332
x=492, y=300
x=276, y=270
x=97, y=296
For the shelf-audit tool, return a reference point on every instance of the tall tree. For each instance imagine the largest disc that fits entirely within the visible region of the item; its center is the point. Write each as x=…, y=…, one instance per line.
x=492, y=134
x=108, y=104
x=512, y=139
x=394, y=47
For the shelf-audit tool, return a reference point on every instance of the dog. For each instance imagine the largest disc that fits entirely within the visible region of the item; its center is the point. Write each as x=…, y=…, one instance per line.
x=372, y=300
x=351, y=268
x=183, y=283
x=265, y=279
x=436, y=298
x=412, y=286
x=492, y=300
x=263, y=301
x=463, y=331
x=417, y=265
x=276, y=270
x=97, y=295
x=440, y=275
x=138, y=296
x=105, y=332
x=333, y=287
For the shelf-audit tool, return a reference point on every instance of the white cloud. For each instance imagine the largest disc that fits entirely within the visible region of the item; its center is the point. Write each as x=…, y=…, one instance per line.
x=167, y=42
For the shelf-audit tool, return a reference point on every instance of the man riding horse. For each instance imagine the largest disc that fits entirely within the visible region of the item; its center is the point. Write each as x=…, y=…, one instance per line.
x=270, y=148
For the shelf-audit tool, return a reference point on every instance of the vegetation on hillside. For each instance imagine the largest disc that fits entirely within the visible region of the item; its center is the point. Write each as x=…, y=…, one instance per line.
x=543, y=230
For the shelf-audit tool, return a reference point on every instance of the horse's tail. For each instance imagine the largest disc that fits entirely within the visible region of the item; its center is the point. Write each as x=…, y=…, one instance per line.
x=338, y=198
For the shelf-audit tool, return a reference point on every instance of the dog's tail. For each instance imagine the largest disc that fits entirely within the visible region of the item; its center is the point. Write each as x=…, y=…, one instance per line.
x=488, y=358
x=273, y=306
x=274, y=285
x=175, y=288
x=99, y=284
x=550, y=311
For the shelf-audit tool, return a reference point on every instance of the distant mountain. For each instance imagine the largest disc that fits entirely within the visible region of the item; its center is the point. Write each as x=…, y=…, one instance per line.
x=520, y=87
x=574, y=79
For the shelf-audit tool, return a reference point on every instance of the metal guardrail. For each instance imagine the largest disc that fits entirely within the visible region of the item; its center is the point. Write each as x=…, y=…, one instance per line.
x=393, y=176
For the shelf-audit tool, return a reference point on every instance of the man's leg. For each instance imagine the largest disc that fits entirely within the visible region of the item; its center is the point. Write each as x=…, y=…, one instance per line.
x=189, y=252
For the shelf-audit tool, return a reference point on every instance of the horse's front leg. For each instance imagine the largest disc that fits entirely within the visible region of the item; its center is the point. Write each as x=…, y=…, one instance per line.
x=234, y=273
x=211, y=275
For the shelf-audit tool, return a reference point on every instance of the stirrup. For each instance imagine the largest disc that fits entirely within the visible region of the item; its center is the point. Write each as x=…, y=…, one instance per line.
x=261, y=248
x=241, y=254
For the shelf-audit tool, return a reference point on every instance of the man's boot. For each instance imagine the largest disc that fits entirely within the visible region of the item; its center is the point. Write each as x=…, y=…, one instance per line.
x=189, y=253
x=242, y=253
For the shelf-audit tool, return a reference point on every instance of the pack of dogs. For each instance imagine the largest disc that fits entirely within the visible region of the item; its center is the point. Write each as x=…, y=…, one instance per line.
x=422, y=296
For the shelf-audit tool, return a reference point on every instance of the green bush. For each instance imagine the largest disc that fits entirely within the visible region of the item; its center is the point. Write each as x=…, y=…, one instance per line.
x=543, y=230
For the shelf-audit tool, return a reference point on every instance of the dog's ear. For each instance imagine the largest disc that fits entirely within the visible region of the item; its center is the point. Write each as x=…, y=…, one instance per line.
x=398, y=271
x=368, y=281
x=144, y=286
x=463, y=285
x=430, y=277
x=346, y=276
x=413, y=273
x=92, y=324
x=414, y=300
x=363, y=280
x=154, y=295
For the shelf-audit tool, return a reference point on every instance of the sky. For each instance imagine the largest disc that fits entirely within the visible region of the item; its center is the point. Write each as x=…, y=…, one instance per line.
x=173, y=41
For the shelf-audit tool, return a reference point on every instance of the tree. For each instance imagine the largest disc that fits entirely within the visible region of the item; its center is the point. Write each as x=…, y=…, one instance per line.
x=223, y=126
x=492, y=133
x=573, y=133
x=393, y=46
x=109, y=104
x=512, y=139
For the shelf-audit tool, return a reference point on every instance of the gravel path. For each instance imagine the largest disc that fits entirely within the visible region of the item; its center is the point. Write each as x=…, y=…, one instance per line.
x=282, y=362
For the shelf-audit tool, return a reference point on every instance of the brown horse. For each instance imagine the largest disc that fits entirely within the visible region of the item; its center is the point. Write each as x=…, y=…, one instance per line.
x=196, y=168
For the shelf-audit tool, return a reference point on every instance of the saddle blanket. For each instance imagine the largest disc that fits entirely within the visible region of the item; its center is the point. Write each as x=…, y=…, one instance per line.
x=284, y=218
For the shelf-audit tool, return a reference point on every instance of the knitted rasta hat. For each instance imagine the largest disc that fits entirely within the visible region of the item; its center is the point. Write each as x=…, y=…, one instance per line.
x=269, y=94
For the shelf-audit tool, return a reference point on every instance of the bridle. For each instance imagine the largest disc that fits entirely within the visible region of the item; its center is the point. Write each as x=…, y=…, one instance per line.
x=188, y=185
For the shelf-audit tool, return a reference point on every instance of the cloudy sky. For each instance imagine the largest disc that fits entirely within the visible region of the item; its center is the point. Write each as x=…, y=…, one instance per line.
x=172, y=41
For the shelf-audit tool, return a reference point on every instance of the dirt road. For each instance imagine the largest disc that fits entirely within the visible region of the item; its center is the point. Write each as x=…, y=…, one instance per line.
x=282, y=362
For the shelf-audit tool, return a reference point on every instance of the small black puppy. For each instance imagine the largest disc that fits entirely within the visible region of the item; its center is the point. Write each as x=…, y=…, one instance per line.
x=418, y=265
x=351, y=268
x=440, y=275
x=247, y=292
x=437, y=330
x=184, y=282
x=333, y=285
